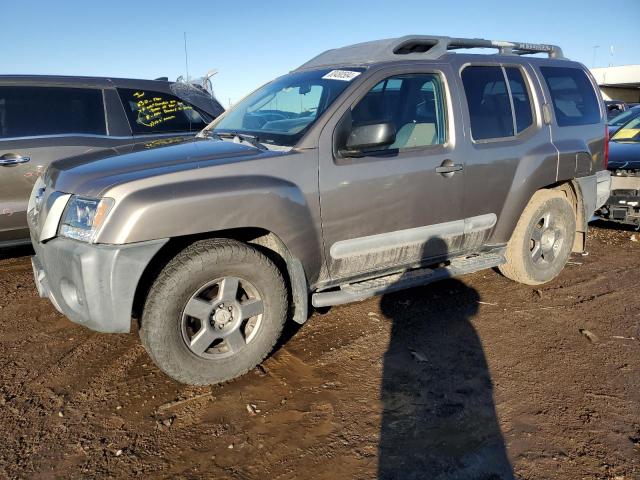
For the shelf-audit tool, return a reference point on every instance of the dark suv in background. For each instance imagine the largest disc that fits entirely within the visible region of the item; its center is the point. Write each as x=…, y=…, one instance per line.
x=625, y=117
x=46, y=118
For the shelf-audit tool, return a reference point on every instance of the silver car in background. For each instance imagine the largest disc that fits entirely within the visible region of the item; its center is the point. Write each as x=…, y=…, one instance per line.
x=48, y=118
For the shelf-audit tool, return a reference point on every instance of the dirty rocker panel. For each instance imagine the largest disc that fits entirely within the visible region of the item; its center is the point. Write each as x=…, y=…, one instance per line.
x=356, y=291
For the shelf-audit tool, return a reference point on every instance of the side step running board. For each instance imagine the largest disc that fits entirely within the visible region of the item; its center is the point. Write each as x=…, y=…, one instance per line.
x=353, y=292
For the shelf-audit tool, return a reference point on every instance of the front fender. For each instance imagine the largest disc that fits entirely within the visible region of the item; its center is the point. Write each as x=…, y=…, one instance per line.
x=202, y=205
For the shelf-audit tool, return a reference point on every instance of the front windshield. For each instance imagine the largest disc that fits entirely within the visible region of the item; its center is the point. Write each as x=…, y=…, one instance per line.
x=629, y=132
x=624, y=117
x=282, y=111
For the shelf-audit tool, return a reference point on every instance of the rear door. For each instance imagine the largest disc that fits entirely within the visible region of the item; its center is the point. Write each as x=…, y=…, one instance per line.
x=392, y=208
x=509, y=154
x=40, y=124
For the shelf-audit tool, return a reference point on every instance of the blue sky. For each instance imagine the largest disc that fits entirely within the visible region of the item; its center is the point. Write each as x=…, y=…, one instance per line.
x=251, y=42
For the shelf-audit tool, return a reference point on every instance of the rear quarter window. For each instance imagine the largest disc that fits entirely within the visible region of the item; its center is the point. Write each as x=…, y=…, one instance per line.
x=28, y=111
x=573, y=96
x=520, y=98
x=158, y=112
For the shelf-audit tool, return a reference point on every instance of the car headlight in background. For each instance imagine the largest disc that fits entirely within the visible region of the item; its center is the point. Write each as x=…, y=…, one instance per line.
x=83, y=217
x=38, y=197
x=35, y=205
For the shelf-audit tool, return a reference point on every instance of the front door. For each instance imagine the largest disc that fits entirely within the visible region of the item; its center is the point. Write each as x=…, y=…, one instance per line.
x=398, y=206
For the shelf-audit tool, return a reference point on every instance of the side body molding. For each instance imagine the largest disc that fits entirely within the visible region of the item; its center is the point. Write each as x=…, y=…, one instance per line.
x=411, y=237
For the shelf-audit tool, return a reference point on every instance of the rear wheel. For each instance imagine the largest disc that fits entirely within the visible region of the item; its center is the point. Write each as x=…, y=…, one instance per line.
x=542, y=240
x=214, y=312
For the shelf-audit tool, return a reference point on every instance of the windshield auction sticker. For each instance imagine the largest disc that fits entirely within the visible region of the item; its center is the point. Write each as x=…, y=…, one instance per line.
x=344, y=75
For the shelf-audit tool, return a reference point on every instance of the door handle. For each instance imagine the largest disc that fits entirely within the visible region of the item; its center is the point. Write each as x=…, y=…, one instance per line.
x=12, y=159
x=448, y=168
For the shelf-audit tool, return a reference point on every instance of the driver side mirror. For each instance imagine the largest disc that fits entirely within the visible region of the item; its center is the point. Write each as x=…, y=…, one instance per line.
x=369, y=138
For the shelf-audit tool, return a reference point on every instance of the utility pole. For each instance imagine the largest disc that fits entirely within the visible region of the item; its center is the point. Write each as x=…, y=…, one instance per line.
x=611, y=53
x=595, y=50
x=186, y=57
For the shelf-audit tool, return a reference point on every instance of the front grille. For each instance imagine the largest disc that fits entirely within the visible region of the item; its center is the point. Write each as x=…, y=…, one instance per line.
x=618, y=213
x=625, y=192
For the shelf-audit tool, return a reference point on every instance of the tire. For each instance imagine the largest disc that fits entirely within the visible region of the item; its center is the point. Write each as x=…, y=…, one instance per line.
x=533, y=255
x=192, y=301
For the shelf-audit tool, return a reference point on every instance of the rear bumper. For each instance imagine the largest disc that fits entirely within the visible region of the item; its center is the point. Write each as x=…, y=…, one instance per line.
x=595, y=190
x=603, y=187
x=625, y=182
x=623, y=206
x=93, y=285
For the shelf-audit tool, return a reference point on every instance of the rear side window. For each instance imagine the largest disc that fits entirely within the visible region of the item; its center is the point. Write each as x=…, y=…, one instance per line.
x=498, y=100
x=573, y=96
x=488, y=100
x=35, y=111
x=157, y=112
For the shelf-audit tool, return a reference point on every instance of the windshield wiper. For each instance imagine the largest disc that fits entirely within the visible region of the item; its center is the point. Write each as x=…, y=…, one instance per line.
x=242, y=137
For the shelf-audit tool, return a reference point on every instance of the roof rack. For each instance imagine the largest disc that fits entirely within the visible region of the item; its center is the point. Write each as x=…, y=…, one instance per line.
x=421, y=47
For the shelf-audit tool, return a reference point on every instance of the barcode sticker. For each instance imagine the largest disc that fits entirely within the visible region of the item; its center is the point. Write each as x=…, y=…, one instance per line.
x=344, y=75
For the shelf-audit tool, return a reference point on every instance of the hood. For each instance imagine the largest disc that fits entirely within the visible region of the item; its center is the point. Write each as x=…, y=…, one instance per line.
x=624, y=155
x=92, y=173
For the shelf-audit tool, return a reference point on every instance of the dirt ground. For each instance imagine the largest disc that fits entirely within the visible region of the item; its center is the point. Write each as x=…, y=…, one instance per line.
x=475, y=378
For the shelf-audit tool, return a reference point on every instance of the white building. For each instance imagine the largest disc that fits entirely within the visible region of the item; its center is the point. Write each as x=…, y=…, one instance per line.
x=619, y=83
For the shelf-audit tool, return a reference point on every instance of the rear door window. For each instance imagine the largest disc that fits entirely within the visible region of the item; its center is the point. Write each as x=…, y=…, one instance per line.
x=27, y=111
x=520, y=97
x=499, y=101
x=574, y=98
x=488, y=101
x=152, y=112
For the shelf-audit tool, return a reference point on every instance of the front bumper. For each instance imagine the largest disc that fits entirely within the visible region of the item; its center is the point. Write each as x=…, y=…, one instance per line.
x=93, y=285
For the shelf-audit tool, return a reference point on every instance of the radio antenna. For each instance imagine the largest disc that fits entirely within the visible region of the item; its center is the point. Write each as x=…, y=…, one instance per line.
x=186, y=56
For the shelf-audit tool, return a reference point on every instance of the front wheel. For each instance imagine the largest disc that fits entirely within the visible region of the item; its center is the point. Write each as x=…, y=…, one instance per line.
x=214, y=312
x=542, y=240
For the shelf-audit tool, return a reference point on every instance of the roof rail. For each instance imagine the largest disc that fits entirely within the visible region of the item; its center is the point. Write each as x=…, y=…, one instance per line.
x=506, y=48
x=420, y=47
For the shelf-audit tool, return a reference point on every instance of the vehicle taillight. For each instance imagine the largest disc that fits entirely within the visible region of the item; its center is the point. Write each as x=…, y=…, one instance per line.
x=606, y=147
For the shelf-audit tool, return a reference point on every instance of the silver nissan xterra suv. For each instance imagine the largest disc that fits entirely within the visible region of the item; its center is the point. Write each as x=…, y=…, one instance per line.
x=370, y=168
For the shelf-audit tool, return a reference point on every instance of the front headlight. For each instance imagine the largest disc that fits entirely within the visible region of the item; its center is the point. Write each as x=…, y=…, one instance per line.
x=83, y=217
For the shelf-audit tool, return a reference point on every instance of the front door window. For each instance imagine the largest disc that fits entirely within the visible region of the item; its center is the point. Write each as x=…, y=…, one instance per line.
x=414, y=104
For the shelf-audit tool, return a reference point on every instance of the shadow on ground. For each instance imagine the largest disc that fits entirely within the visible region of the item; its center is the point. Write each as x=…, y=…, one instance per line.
x=15, y=252
x=439, y=419
x=613, y=226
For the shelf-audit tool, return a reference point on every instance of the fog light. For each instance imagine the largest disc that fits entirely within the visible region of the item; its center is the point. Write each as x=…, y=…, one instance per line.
x=70, y=295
